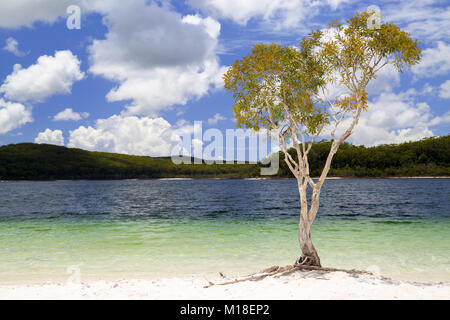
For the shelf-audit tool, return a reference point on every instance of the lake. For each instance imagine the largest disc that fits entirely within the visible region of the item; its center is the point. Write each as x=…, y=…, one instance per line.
x=176, y=228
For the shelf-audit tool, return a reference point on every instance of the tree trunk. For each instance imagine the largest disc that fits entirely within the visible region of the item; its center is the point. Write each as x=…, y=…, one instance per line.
x=309, y=253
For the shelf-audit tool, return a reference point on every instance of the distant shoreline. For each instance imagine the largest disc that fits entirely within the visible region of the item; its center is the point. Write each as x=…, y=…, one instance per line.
x=35, y=162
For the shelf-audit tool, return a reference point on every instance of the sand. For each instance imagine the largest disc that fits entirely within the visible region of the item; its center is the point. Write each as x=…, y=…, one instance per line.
x=299, y=286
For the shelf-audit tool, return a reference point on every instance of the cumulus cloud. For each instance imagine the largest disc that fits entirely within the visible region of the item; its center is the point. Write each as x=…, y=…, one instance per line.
x=12, y=45
x=13, y=116
x=50, y=75
x=69, y=115
x=158, y=57
x=130, y=135
x=279, y=14
x=435, y=61
x=394, y=118
x=445, y=90
x=50, y=137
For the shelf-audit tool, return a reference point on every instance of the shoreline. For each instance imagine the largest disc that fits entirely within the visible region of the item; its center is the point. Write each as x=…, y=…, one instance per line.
x=303, y=285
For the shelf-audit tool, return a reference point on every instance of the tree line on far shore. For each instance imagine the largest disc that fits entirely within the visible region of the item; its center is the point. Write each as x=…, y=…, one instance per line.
x=26, y=161
x=427, y=157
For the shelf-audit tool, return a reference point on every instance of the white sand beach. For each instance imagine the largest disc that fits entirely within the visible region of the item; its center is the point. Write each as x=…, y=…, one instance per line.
x=298, y=286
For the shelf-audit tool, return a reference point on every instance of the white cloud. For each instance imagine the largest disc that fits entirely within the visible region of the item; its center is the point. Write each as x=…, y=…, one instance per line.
x=279, y=14
x=49, y=76
x=24, y=13
x=445, y=90
x=13, y=116
x=18, y=13
x=215, y=120
x=12, y=45
x=387, y=79
x=427, y=19
x=427, y=89
x=444, y=119
x=130, y=135
x=50, y=137
x=394, y=118
x=435, y=61
x=69, y=115
x=158, y=57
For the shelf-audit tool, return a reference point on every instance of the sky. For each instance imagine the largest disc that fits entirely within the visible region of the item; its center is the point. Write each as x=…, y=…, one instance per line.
x=137, y=74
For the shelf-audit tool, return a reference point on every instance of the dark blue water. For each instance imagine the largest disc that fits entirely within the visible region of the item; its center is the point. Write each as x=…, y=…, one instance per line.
x=376, y=199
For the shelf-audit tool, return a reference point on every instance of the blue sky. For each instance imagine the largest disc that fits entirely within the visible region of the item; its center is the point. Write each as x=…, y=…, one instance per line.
x=139, y=73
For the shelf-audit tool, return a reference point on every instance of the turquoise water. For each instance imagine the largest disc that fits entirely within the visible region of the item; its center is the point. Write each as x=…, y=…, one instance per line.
x=147, y=229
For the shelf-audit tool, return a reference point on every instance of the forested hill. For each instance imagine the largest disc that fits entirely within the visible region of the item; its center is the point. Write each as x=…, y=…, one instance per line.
x=429, y=157
x=48, y=162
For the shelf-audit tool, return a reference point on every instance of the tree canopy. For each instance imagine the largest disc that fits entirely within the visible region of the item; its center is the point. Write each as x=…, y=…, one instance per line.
x=277, y=84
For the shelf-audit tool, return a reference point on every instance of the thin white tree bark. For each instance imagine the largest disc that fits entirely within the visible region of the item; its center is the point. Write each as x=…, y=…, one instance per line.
x=301, y=172
x=300, y=166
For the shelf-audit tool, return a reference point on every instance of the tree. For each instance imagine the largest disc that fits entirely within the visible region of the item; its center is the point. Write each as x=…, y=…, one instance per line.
x=289, y=90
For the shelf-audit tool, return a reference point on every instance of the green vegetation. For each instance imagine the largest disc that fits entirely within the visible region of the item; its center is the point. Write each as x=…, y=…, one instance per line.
x=47, y=162
x=428, y=157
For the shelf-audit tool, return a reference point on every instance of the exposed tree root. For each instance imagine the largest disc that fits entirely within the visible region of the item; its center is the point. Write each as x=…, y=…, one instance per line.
x=307, y=261
x=278, y=272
